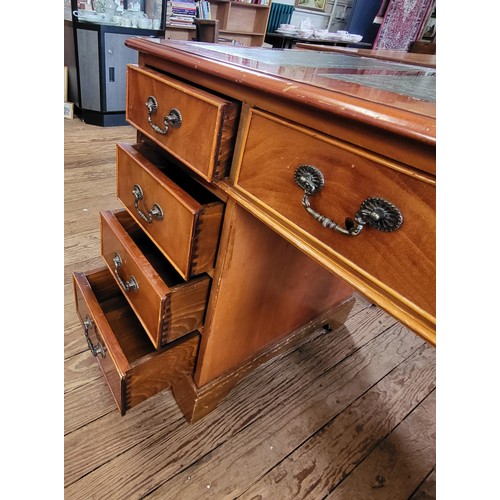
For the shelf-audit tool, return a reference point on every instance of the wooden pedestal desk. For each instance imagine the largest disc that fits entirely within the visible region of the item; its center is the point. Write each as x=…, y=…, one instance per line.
x=264, y=188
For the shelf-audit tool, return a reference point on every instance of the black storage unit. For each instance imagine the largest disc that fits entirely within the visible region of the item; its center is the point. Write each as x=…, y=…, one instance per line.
x=101, y=61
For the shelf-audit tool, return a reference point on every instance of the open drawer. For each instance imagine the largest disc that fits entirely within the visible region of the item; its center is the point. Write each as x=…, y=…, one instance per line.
x=180, y=216
x=133, y=369
x=167, y=306
x=195, y=126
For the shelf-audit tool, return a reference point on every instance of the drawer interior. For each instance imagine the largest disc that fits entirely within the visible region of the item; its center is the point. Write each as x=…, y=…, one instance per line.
x=128, y=330
x=174, y=170
x=159, y=263
x=133, y=368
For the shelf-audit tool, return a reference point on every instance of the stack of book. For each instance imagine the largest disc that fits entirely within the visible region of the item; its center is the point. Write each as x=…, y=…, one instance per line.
x=204, y=9
x=181, y=12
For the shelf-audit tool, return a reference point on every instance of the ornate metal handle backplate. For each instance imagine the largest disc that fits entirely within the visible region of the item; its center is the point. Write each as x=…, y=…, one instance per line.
x=173, y=119
x=94, y=349
x=374, y=212
x=154, y=213
x=126, y=285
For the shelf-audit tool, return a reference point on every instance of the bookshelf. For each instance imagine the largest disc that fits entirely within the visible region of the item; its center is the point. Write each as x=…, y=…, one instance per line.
x=240, y=21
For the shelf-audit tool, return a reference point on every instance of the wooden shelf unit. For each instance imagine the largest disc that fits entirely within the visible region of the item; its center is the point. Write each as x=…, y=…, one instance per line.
x=186, y=33
x=245, y=23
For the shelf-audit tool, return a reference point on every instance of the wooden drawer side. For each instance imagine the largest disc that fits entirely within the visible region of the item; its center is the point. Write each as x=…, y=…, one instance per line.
x=113, y=364
x=206, y=237
x=230, y=114
x=157, y=373
x=184, y=309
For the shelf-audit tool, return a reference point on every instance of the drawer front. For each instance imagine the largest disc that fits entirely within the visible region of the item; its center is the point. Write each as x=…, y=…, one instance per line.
x=167, y=306
x=133, y=369
x=187, y=231
x=402, y=263
x=202, y=127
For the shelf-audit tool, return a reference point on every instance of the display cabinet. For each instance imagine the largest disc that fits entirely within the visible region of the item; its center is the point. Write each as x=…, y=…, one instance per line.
x=341, y=11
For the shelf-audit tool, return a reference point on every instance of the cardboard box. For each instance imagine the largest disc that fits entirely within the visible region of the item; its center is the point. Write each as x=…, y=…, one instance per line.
x=68, y=110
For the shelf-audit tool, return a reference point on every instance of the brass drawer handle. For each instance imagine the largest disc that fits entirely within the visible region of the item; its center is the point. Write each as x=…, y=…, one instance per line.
x=154, y=213
x=374, y=212
x=173, y=119
x=126, y=285
x=94, y=349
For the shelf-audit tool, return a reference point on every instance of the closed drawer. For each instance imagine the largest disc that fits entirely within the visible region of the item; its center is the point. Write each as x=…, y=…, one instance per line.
x=399, y=264
x=187, y=232
x=167, y=306
x=133, y=369
x=202, y=127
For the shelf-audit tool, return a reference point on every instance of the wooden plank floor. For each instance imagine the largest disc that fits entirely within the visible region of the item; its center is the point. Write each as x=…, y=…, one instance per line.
x=348, y=415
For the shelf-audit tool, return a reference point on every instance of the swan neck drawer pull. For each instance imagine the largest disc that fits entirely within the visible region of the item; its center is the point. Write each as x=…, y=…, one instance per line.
x=173, y=119
x=126, y=285
x=373, y=212
x=154, y=213
x=94, y=349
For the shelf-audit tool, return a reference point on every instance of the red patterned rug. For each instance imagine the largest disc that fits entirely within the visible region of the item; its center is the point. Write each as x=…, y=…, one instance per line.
x=402, y=22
